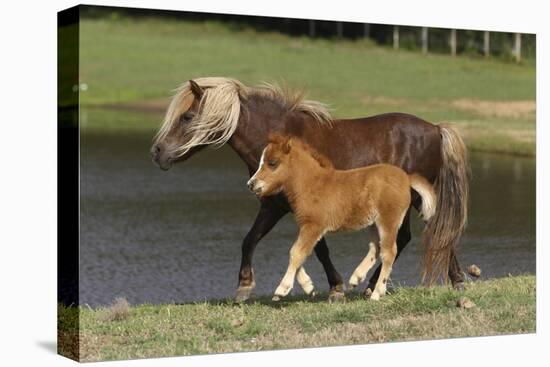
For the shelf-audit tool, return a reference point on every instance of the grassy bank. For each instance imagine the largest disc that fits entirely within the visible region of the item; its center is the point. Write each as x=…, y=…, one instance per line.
x=502, y=306
x=138, y=62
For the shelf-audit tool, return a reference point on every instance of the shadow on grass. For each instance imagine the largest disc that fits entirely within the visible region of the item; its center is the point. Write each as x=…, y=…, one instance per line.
x=284, y=302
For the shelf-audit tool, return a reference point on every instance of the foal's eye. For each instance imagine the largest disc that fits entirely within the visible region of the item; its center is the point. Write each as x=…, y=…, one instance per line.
x=187, y=116
x=272, y=163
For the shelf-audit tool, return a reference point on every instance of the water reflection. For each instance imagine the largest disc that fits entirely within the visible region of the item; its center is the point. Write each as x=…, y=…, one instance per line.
x=157, y=237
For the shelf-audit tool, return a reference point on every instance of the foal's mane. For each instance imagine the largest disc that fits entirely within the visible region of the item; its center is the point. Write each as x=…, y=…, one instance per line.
x=319, y=157
x=220, y=109
x=295, y=143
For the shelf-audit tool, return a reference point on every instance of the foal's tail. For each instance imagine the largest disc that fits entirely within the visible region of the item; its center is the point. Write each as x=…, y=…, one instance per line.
x=426, y=191
x=444, y=229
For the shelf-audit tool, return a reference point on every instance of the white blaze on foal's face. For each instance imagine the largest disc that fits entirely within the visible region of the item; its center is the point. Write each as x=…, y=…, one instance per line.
x=254, y=184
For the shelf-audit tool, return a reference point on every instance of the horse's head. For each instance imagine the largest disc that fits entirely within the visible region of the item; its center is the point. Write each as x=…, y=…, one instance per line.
x=176, y=130
x=203, y=112
x=273, y=171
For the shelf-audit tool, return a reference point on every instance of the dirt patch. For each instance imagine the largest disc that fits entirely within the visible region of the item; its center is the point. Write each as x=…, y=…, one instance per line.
x=502, y=109
x=508, y=109
x=386, y=101
x=151, y=105
x=471, y=131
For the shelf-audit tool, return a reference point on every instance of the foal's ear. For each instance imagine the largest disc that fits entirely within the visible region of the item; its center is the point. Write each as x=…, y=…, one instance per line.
x=275, y=138
x=286, y=145
x=196, y=89
x=281, y=140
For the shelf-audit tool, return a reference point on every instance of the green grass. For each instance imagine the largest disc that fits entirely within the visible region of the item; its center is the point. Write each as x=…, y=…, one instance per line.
x=131, y=61
x=503, y=306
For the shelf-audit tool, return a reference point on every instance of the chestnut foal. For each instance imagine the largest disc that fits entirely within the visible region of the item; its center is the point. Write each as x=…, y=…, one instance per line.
x=325, y=199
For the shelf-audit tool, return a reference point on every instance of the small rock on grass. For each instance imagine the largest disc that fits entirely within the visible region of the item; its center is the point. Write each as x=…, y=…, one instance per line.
x=465, y=302
x=237, y=322
x=474, y=270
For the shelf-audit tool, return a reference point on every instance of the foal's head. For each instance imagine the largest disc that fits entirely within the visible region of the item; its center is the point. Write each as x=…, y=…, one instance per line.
x=275, y=165
x=273, y=169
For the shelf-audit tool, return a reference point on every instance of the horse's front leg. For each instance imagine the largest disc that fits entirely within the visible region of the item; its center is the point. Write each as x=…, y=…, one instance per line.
x=267, y=217
x=305, y=282
x=300, y=250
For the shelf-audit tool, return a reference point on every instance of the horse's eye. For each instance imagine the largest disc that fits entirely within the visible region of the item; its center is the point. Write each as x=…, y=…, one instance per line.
x=187, y=116
x=272, y=163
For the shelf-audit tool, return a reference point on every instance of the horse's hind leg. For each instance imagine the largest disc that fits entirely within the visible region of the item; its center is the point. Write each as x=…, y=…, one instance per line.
x=455, y=273
x=388, y=253
x=403, y=238
x=361, y=271
x=267, y=217
x=335, y=281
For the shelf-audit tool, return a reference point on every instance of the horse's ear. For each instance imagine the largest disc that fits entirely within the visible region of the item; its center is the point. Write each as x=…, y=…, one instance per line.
x=287, y=144
x=196, y=89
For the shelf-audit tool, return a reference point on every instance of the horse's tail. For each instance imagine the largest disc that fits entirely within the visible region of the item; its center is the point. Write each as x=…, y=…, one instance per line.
x=426, y=191
x=444, y=229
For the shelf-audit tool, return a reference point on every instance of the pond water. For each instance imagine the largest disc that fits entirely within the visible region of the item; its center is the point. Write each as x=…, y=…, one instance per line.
x=175, y=236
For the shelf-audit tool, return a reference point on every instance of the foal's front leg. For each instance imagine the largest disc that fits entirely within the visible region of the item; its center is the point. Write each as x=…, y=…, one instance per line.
x=299, y=252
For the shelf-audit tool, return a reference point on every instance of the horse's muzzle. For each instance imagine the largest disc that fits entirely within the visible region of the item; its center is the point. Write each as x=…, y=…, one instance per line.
x=156, y=156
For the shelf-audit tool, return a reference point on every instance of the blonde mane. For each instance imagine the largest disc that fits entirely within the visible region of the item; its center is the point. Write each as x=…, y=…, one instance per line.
x=220, y=109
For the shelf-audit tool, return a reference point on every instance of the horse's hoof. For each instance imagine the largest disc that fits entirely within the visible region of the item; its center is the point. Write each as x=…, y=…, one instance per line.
x=459, y=286
x=276, y=298
x=243, y=294
x=312, y=295
x=336, y=297
x=368, y=292
x=309, y=289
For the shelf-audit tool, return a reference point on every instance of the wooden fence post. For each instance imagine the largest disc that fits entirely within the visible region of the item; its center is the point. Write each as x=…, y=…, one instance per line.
x=424, y=40
x=339, y=29
x=452, y=42
x=311, y=28
x=366, y=30
x=396, y=37
x=517, y=47
x=486, y=44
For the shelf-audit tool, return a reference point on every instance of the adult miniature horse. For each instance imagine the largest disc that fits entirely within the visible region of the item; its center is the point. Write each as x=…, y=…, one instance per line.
x=215, y=111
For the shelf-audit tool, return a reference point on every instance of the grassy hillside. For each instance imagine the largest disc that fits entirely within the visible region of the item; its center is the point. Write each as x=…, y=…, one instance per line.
x=138, y=62
x=502, y=306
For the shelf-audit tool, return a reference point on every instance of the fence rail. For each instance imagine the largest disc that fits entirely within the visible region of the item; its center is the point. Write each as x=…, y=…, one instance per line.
x=513, y=46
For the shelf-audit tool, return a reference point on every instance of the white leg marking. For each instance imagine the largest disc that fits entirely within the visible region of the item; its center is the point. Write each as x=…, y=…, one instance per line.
x=299, y=252
x=388, y=251
x=360, y=273
x=287, y=283
x=304, y=280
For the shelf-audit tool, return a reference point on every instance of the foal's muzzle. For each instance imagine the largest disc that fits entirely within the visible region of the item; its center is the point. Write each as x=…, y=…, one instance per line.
x=254, y=187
